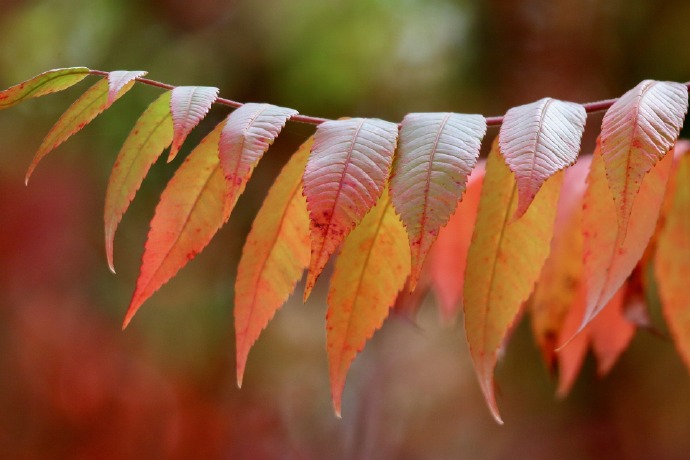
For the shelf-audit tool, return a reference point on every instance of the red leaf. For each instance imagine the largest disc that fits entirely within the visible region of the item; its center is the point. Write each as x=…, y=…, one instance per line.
x=637, y=131
x=539, y=139
x=274, y=256
x=188, y=105
x=448, y=256
x=151, y=134
x=437, y=152
x=345, y=176
x=191, y=210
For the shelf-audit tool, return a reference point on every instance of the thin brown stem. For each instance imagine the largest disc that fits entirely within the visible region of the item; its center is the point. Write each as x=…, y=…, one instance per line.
x=590, y=107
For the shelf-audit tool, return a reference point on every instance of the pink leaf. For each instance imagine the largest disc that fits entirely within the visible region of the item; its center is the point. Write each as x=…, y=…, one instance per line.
x=188, y=105
x=537, y=140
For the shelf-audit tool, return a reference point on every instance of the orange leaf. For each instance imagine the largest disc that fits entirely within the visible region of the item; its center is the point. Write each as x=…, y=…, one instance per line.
x=188, y=106
x=344, y=178
x=503, y=263
x=672, y=261
x=561, y=278
x=151, y=134
x=539, y=139
x=370, y=271
x=636, y=133
x=608, y=259
x=275, y=254
x=448, y=256
x=437, y=152
x=611, y=332
x=191, y=210
x=89, y=105
x=48, y=82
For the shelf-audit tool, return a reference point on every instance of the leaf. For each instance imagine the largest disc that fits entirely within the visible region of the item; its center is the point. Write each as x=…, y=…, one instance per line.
x=48, y=82
x=611, y=332
x=572, y=346
x=274, y=257
x=152, y=133
x=608, y=259
x=503, y=263
x=191, y=210
x=370, y=271
x=188, y=105
x=118, y=79
x=345, y=176
x=636, y=132
x=79, y=114
x=671, y=262
x=560, y=281
x=539, y=139
x=448, y=256
x=247, y=134
x=437, y=152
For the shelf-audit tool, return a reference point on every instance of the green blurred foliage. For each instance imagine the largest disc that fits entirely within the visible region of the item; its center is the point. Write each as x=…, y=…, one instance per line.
x=72, y=385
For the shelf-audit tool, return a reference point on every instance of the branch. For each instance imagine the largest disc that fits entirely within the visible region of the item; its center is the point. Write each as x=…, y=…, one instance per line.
x=590, y=107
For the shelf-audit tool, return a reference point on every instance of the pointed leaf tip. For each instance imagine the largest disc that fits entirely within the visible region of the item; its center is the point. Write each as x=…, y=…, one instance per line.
x=188, y=105
x=274, y=256
x=436, y=154
x=537, y=140
x=636, y=133
x=151, y=134
x=118, y=79
x=45, y=83
x=346, y=173
x=369, y=273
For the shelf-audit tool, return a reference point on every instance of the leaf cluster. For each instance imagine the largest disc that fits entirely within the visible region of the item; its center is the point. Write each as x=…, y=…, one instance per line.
x=409, y=207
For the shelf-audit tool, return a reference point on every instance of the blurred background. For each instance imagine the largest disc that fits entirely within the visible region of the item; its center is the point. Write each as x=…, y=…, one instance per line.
x=72, y=385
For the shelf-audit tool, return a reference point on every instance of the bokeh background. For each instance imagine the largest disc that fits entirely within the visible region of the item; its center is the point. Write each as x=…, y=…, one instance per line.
x=72, y=385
